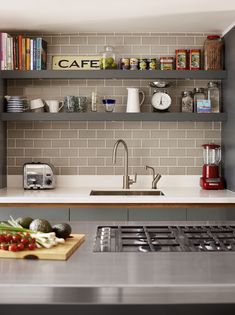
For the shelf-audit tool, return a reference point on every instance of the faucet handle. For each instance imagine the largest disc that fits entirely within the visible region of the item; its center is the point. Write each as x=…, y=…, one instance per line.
x=133, y=181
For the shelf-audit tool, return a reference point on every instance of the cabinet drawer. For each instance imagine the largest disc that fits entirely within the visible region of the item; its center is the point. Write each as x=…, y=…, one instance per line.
x=157, y=214
x=98, y=214
x=201, y=214
x=54, y=214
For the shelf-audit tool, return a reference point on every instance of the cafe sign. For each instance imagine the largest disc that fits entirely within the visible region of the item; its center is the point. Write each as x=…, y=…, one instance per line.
x=75, y=62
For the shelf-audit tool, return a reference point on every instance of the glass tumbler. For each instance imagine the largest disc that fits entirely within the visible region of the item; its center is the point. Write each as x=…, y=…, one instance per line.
x=81, y=104
x=109, y=104
x=70, y=103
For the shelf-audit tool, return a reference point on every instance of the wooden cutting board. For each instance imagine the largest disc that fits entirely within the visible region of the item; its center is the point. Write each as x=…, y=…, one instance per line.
x=59, y=252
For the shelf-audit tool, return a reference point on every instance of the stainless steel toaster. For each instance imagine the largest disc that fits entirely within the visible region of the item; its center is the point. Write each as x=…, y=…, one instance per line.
x=38, y=176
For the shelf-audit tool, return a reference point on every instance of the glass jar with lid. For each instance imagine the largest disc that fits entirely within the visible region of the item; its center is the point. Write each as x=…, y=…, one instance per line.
x=198, y=95
x=187, y=102
x=109, y=59
x=213, y=53
x=214, y=96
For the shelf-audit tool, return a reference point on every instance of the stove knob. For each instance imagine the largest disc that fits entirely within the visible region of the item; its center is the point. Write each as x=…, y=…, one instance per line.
x=48, y=182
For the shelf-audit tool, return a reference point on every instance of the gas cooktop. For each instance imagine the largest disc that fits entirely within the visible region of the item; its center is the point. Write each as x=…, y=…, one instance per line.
x=171, y=238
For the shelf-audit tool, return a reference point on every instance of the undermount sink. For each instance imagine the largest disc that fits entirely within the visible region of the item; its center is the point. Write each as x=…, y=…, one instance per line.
x=126, y=193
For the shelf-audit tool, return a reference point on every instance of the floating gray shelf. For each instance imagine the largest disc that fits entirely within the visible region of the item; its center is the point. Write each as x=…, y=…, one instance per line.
x=103, y=116
x=113, y=74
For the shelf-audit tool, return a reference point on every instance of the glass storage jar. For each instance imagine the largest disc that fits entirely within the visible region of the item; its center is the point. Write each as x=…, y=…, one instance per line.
x=198, y=95
x=213, y=53
x=214, y=96
x=109, y=59
x=187, y=102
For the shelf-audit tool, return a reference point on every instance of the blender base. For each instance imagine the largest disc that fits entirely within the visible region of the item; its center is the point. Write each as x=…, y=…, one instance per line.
x=212, y=183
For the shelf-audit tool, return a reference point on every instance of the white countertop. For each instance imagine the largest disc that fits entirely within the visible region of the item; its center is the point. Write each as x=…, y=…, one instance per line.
x=76, y=189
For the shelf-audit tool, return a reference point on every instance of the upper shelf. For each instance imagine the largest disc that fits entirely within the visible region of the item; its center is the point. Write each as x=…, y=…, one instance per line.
x=113, y=74
x=104, y=116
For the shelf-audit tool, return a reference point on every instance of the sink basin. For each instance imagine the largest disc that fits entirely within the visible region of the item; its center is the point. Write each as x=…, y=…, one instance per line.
x=126, y=193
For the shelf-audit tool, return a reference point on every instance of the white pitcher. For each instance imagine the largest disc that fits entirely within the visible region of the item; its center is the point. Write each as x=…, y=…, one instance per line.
x=133, y=100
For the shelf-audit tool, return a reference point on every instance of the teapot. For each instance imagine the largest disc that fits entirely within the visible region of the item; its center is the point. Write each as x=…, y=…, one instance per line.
x=133, y=100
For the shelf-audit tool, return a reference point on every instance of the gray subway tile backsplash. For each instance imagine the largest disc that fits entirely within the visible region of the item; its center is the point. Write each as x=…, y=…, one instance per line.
x=79, y=147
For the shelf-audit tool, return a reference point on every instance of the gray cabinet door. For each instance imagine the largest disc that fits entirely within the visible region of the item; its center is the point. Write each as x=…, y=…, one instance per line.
x=98, y=214
x=55, y=214
x=157, y=214
x=202, y=214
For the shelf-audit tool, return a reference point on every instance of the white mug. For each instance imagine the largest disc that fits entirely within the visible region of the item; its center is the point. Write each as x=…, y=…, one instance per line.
x=37, y=103
x=54, y=106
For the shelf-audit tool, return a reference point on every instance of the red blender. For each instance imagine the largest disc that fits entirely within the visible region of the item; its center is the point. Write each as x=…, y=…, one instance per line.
x=211, y=178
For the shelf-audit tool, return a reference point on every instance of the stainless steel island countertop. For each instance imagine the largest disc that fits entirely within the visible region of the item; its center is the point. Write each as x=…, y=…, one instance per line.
x=121, y=278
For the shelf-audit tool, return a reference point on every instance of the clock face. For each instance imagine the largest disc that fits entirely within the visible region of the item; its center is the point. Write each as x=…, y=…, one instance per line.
x=161, y=100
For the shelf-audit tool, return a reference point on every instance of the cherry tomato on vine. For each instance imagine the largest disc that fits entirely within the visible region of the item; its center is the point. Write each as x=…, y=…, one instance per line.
x=20, y=246
x=25, y=241
x=2, y=238
x=31, y=246
x=8, y=238
x=4, y=246
x=13, y=248
x=16, y=238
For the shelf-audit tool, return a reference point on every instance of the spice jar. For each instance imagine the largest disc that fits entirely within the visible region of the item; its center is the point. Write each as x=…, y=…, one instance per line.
x=152, y=64
x=143, y=64
x=166, y=63
x=187, y=102
x=109, y=59
x=214, y=96
x=213, y=53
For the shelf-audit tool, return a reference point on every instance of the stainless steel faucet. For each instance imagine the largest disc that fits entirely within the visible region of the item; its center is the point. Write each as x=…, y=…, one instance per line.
x=156, y=178
x=127, y=181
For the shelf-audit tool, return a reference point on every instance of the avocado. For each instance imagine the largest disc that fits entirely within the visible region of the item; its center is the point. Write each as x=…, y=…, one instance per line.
x=24, y=221
x=40, y=225
x=62, y=230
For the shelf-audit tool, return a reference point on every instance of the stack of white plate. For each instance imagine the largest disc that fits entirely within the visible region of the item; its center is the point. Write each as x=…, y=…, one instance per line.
x=15, y=104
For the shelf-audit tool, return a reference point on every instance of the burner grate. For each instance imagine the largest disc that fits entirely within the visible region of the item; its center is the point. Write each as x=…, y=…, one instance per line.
x=170, y=238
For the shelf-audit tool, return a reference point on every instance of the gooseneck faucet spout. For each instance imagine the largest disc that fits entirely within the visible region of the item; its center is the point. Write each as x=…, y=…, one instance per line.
x=127, y=181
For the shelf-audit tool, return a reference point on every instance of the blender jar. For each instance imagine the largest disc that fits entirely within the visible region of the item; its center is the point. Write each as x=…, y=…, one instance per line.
x=211, y=157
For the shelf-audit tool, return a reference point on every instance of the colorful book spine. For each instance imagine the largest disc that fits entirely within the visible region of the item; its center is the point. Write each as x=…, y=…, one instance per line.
x=23, y=53
x=20, y=38
x=38, y=53
x=9, y=51
x=44, y=55
x=31, y=54
x=16, y=53
x=41, y=54
x=34, y=53
x=27, y=56
x=3, y=51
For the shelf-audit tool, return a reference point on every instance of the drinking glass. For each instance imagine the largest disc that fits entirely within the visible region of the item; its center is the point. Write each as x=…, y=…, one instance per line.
x=81, y=104
x=109, y=104
x=70, y=103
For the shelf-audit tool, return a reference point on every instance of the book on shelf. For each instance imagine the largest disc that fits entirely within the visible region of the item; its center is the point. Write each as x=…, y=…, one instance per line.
x=22, y=53
x=41, y=54
x=19, y=52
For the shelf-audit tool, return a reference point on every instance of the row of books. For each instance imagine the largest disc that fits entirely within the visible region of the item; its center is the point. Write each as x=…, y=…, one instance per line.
x=22, y=53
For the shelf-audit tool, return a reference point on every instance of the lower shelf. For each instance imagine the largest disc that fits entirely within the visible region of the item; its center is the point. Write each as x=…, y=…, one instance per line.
x=103, y=116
